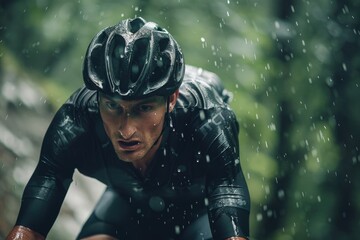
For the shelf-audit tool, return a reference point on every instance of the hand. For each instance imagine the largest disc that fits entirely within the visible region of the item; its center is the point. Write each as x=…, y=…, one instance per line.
x=24, y=233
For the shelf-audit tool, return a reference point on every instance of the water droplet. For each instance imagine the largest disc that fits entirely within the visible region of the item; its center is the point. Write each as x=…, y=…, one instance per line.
x=202, y=115
x=157, y=204
x=177, y=229
x=281, y=194
x=277, y=24
x=344, y=67
x=206, y=201
x=292, y=8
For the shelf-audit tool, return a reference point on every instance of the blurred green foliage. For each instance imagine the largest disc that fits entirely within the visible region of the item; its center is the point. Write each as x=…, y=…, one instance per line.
x=292, y=66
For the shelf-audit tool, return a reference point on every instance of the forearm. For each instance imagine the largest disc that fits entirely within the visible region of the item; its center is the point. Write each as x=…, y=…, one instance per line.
x=236, y=238
x=24, y=233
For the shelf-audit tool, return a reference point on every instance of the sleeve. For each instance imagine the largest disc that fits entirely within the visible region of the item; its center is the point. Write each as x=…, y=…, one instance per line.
x=47, y=187
x=226, y=188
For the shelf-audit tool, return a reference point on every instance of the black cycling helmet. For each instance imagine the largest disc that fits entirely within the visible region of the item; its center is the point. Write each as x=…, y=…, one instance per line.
x=134, y=59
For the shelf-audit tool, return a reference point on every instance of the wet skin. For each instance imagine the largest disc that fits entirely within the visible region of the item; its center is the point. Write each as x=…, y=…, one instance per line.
x=134, y=127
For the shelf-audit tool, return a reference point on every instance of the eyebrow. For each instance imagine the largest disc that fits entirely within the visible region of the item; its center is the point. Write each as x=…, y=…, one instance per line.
x=138, y=102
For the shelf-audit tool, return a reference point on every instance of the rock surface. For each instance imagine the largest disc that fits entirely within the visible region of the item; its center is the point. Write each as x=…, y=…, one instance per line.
x=25, y=115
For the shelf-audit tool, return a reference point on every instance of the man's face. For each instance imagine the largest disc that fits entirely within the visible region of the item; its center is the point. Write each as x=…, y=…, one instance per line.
x=133, y=126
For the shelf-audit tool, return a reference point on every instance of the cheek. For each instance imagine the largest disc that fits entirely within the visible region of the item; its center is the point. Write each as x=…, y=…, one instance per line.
x=158, y=119
x=158, y=122
x=152, y=124
x=107, y=128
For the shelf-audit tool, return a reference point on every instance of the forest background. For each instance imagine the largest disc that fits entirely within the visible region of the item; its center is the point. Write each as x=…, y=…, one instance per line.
x=292, y=66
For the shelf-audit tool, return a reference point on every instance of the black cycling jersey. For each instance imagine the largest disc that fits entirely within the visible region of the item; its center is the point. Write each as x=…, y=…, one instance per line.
x=196, y=170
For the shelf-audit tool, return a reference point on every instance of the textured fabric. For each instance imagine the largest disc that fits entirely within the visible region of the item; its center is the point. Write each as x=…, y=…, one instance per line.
x=196, y=169
x=131, y=221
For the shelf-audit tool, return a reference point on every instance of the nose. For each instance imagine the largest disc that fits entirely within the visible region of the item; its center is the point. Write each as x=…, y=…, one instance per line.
x=127, y=128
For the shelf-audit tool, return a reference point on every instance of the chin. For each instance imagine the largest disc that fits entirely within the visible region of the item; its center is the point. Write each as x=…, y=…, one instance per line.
x=128, y=157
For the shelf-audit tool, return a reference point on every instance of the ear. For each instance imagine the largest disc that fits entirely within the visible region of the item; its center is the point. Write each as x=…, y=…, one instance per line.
x=172, y=100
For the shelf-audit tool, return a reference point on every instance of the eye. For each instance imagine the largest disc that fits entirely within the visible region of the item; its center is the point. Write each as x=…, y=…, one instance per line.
x=111, y=105
x=145, y=108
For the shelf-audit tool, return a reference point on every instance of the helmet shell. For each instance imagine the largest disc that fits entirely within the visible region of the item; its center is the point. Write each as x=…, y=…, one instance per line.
x=134, y=59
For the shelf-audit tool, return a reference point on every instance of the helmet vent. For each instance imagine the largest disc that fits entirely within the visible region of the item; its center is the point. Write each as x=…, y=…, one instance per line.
x=138, y=60
x=161, y=68
x=97, y=68
x=117, y=49
x=136, y=24
x=163, y=44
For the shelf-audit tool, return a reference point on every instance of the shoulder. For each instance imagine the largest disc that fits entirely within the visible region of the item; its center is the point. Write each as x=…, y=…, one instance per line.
x=203, y=97
x=203, y=103
x=71, y=121
x=83, y=99
x=76, y=111
x=218, y=123
x=202, y=89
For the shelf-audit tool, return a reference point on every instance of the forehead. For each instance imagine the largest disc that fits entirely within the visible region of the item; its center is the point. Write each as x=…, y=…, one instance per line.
x=119, y=100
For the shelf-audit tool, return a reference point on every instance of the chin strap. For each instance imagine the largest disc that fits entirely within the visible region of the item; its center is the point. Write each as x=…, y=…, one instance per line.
x=166, y=120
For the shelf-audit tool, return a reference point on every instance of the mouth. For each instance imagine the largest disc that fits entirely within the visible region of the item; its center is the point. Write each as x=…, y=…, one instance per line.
x=128, y=145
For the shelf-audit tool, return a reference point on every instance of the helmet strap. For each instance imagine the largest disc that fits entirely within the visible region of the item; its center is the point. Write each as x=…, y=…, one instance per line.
x=167, y=119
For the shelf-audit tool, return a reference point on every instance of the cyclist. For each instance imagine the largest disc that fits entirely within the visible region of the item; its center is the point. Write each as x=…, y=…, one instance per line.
x=158, y=133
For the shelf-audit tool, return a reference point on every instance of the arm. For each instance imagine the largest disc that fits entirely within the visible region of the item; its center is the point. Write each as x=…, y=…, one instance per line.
x=47, y=187
x=24, y=233
x=236, y=238
x=228, y=208
x=226, y=188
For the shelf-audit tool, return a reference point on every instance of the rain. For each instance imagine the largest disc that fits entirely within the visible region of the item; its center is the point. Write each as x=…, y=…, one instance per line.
x=292, y=68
